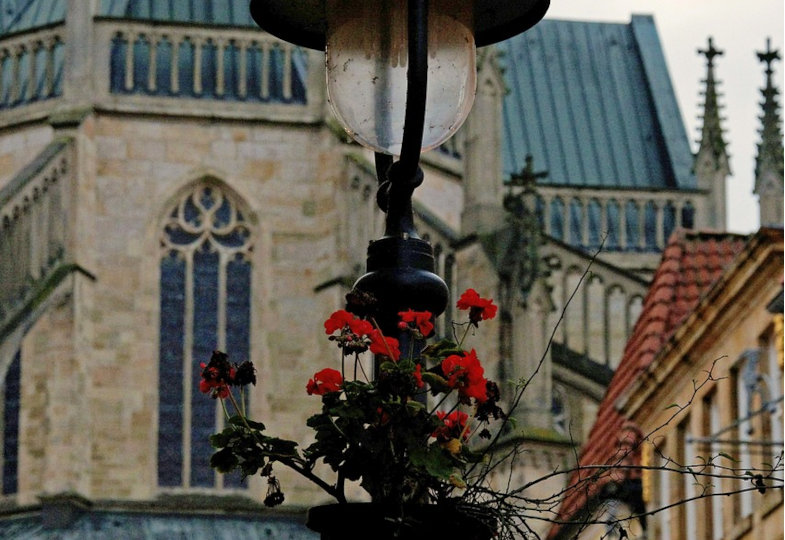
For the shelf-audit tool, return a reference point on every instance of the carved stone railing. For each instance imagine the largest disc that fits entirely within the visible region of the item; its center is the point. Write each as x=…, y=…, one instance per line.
x=622, y=220
x=186, y=69
x=172, y=69
x=31, y=67
x=34, y=228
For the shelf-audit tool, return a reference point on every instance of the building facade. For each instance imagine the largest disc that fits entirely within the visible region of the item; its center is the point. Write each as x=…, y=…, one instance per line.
x=171, y=183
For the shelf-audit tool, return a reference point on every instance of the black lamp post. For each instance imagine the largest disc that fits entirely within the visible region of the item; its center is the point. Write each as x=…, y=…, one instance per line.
x=371, y=46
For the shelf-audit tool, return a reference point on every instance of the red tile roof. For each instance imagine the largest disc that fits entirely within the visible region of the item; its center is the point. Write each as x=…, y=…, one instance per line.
x=691, y=262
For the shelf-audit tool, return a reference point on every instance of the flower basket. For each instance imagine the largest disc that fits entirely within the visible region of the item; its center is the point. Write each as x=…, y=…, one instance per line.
x=361, y=521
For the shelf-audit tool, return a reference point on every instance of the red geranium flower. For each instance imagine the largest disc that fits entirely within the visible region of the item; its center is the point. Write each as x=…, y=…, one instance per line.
x=454, y=426
x=417, y=374
x=337, y=321
x=384, y=346
x=324, y=381
x=213, y=382
x=353, y=331
x=466, y=374
x=422, y=319
x=479, y=308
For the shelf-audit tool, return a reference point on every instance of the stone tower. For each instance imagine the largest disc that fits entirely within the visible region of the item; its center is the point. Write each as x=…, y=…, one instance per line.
x=769, y=161
x=711, y=164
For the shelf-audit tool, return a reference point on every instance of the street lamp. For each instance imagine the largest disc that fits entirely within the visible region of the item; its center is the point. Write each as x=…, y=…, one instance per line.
x=401, y=79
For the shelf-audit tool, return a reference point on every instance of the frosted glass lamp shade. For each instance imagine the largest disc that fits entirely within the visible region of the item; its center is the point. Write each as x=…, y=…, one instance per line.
x=367, y=64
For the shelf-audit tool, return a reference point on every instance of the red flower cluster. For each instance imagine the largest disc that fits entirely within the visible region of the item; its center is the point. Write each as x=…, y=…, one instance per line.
x=479, y=308
x=325, y=381
x=219, y=374
x=466, y=374
x=421, y=319
x=454, y=426
x=343, y=320
x=384, y=346
x=353, y=336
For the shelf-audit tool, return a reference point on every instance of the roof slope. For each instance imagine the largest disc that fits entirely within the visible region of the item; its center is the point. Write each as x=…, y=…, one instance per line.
x=594, y=103
x=691, y=263
x=21, y=15
x=205, y=12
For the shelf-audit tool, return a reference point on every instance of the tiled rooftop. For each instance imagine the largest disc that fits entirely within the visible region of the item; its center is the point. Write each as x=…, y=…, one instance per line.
x=691, y=263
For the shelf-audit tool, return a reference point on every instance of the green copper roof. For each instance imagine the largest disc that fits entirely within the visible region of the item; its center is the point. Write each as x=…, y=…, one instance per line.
x=206, y=12
x=593, y=103
x=21, y=15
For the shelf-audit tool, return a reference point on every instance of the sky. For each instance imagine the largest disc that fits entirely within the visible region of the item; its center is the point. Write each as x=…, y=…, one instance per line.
x=739, y=28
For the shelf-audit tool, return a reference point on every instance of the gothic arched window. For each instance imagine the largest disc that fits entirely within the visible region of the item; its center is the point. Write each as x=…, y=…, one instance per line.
x=11, y=394
x=205, y=304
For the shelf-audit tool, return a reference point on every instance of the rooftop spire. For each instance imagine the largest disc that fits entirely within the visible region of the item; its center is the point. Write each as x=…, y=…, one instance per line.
x=768, y=163
x=711, y=133
x=770, y=152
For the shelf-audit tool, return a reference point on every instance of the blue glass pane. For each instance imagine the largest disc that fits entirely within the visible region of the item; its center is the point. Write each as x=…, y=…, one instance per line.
x=238, y=324
x=650, y=227
x=205, y=294
x=236, y=238
x=557, y=219
x=185, y=69
x=612, y=242
x=299, y=76
x=40, y=91
x=576, y=221
x=276, y=74
x=595, y=224
x=191, y=213
x=141, y=56
x=170, y=372
x=253, y=78
x=6, y=74
x=117, y=65
x=539, y=204
x=11, y=426
x=223, y=214
x=688, y=216
x=669, y=220
x=163, y=71
x=632, y=219
x=24, y=76
x=208, y=70
x=59, y=61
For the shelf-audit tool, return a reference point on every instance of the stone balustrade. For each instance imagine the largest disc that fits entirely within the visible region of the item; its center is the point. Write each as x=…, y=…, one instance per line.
x=34, y=214
x=214, y=63
x=171, y=69
x=31, y=67
x=619, y=220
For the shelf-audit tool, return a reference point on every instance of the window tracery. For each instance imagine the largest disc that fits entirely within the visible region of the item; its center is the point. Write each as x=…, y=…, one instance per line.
x=205, y=284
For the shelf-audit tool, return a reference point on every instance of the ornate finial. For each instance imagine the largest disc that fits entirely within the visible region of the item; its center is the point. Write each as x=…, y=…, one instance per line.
x=712, y=139
x=768, y=56
x=710, y=52
x=769, y=161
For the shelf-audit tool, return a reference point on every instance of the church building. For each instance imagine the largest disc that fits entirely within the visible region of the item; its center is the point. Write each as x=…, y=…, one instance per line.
x=172, y=182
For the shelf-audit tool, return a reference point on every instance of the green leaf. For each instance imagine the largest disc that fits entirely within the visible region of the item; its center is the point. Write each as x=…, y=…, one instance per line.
x=415, y=406
x=437, y=383
x=220, y=440
x=727, y=456
x=672, y=405
x=223, y=460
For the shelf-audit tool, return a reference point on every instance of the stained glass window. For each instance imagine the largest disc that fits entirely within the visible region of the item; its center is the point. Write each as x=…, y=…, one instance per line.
x=205, y=280
x=11, y=392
